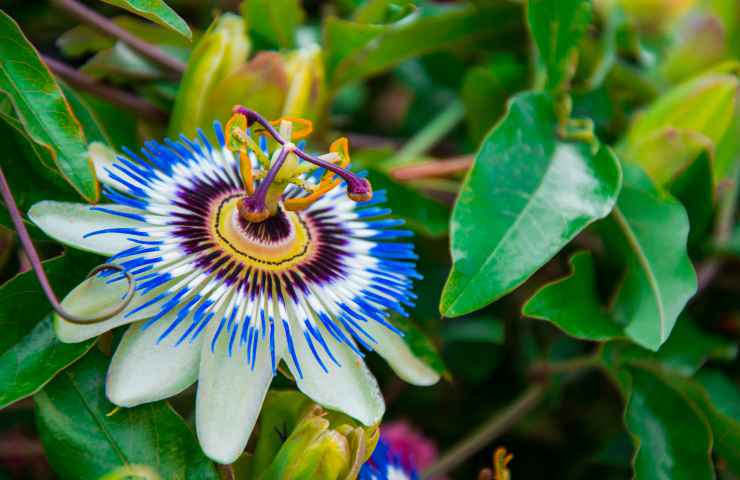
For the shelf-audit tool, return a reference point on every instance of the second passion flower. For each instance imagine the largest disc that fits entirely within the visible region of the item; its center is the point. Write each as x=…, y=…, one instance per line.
x=242, y=257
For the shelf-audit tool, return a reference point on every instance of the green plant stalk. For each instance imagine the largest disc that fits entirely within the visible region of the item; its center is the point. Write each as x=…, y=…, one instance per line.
x=430, y=135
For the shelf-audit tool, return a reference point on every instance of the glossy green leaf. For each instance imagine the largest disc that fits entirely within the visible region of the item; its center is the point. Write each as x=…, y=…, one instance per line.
x=686, y=350
x=526, y=196
x=557, y=27
x=274, y=21
x=583, y=315
x=356, y=50
x=30, y=353
x=93, y=128
x=651, y=232
x=157, y=11
x=671, y=435
x=85, y=438
x=42, y=108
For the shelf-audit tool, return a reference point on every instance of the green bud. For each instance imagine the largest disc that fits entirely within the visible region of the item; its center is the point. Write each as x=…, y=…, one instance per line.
x=306, y=93
x=655, y=15
x=220, y=52
x=691, y=117
x=260, y=84
x=701, y=42
x=300, y=440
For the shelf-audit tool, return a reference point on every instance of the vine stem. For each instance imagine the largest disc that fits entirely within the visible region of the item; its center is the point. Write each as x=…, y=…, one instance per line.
x=103, y=24
x=113, y=95
x=495, y=426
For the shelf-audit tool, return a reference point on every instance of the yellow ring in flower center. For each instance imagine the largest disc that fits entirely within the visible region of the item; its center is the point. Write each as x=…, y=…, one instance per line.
x=278, y=255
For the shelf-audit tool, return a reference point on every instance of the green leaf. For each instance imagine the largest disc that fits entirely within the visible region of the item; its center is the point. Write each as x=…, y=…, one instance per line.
x=30, y=353
x=94, y=130
x=671, y=435
x=274, y=21
x=121, y=62
x=356, y=50
x=583, y=315
x=695, y=189
x=687, y=349
x=42, y=108
x=557, y=27
x=721, y=403
x=526, y=196
x=85, y=438
x=651, y=231
x=158, y=12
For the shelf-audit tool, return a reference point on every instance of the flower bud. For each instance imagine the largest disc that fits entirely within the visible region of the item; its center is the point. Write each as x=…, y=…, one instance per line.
x=301, y=440
x=306, y=83
x=221, y=50
x=691, y=117
x=701, y=42
x=655, y=15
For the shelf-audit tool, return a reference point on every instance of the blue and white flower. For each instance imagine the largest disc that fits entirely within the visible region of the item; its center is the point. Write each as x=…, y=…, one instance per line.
x=222, y=300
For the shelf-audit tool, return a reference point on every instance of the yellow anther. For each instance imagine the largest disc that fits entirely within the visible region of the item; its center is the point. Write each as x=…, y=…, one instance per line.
x=340, y=150
x=501, y=459
x=300, y=133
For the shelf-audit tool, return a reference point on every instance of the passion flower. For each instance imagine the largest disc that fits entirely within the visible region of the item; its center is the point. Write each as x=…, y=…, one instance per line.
x=241, y=257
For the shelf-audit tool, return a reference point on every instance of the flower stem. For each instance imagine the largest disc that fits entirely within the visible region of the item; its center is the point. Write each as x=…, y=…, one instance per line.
x=431, y=134
x=495, y=426
x=103, y=24
x=113, y=95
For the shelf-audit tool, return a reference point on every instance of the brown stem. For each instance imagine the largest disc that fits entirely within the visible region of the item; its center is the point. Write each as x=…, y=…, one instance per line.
x=103, y=24
x=437, y=168
x=113, y=95
x=495, y=426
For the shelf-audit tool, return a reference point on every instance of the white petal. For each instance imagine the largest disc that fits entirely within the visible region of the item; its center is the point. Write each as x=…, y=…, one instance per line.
x=350, y=388
x=91, y=297
x=68, y=222
x=230, y=396
x=394, y=350
x=144, y=369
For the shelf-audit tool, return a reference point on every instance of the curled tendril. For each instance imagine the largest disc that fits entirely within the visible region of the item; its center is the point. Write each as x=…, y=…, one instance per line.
x=35, y=261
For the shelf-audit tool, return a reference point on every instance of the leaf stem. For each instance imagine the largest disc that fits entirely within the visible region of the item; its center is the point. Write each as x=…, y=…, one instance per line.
x=113, y=95
x=495, y=426
x=431, y=134
x=436, y=168
x=103, y=24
